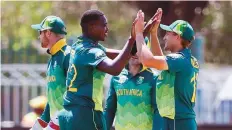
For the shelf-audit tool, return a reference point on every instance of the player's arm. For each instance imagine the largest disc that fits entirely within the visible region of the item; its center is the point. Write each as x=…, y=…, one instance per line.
x=46, y=114
x=66, y=63
x=155, y=45
x=112, y=53
x=111, y=106
x=144, y=53
x=43, y=120
x=115, y=66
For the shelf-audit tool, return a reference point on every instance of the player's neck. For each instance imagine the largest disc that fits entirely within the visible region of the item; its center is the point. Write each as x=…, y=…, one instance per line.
x=174, y=50
x=53, y=42
x=134, y=69
x=90, y=37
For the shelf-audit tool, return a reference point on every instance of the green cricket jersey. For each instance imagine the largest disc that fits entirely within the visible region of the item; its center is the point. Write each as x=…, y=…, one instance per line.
x=176, y=87
x=84, y=81
x=132, y=100
x=56, y=75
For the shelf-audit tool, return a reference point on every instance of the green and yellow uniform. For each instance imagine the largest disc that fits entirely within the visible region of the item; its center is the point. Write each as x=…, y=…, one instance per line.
x=176, y=87
x=131, y=100
x=57, y=68
x=83, y=99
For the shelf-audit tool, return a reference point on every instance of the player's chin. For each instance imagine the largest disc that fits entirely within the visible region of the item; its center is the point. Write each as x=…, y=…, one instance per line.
x=44, y=45
x=103, y=38
x=166, y=48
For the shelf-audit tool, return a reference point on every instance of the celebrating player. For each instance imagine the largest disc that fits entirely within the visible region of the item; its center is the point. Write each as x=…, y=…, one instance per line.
x=176, y=85
x=132, y=99
x=88, y=65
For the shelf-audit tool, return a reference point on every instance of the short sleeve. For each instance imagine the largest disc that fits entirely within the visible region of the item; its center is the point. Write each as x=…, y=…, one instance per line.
x=176, y=62
x=94, y=56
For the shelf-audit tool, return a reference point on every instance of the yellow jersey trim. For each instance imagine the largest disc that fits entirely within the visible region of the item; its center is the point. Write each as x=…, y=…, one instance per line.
x=56, y=47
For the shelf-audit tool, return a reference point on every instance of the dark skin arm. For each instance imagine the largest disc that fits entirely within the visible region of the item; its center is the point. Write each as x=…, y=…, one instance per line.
x=112, y=53
x=120, y=58
x=114, y=67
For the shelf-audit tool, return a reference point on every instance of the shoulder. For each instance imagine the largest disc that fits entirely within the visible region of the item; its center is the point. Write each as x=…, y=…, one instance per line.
x=67, y=49
x=176, y=56
x=123, y=75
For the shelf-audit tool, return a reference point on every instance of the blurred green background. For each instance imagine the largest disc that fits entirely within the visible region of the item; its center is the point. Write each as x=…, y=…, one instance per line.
x=23, y=61
x=19, y=43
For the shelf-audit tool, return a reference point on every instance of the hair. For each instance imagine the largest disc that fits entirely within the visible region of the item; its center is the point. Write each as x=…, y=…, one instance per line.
x=184, y=43
x=60, y=35
x=90, y=16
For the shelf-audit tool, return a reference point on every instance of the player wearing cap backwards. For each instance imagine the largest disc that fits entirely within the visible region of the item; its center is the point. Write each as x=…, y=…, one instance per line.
x=52, y=33
x=176, y=84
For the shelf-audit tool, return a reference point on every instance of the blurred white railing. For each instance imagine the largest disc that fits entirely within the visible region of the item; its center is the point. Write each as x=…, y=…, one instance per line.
x=19, y=84
x=22, y=82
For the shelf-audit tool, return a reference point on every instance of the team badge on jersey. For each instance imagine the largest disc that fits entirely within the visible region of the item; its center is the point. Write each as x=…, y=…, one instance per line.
x=99, y=55
x=194, y=62
x=140, y=80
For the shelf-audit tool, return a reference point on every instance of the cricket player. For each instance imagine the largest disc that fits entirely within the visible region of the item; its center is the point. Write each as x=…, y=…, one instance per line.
x=176, y=84
x=52, y=33
x=131, y=99
x=88, y=65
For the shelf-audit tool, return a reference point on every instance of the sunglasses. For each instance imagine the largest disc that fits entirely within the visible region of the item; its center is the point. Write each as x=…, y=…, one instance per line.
x=40, y=32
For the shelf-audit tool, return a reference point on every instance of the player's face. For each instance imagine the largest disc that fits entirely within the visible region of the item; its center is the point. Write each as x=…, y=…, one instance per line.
x=101, y=29
x=134, y=60
x=43, y=39
x=171, y=39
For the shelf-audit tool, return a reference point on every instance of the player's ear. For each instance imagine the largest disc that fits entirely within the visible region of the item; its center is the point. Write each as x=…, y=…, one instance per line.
x=91, y=27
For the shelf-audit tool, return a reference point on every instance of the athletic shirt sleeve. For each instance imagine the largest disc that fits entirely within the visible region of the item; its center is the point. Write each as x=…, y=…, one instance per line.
x=94, y=56
x=176, y=62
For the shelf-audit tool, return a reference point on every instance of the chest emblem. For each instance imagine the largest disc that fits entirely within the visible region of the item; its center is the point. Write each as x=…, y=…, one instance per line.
x=140, y=80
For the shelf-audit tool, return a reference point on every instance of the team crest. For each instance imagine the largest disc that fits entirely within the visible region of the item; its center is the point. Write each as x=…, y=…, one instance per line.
x=98, y=55
x=140, y=80
x=194, y=62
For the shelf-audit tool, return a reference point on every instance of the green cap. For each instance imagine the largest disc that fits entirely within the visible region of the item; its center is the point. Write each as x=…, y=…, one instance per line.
x=181, y=27
x=53, y=23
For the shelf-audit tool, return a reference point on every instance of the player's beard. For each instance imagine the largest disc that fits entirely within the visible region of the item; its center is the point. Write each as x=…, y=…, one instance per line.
x=44, y=42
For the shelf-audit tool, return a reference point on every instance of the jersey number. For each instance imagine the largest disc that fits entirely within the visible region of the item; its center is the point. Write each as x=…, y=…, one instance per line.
x=72, y=68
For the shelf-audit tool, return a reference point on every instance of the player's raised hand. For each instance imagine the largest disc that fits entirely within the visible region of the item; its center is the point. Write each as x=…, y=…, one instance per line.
x=139, y=25
x=156, y=21
x=133, y=29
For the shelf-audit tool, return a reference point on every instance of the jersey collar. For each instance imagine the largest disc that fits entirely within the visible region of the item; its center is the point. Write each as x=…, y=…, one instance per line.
x=88, y=40
x=186, y=52
x=142, y=68
x=57, y=46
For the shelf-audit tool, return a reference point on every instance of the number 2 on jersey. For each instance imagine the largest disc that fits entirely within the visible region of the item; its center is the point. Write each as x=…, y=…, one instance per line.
x=72, y=68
